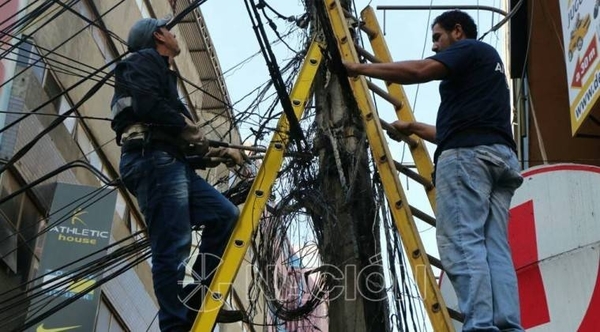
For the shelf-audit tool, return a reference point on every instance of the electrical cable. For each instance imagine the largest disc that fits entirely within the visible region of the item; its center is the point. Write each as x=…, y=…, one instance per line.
x=59, y=220
x=5, y=3
x=37, y=280
x=504, y=20
x=175, y=20
x=57, y=69
x=62, y=44
x=262, y=4
x=53, y=124
x=182, y=77
x=32, y=322
x=22, y=18
x=273, y=26
x=296, y=134
x=86, y=117
x=35, y=15
x=36, y=319
x=90, y=22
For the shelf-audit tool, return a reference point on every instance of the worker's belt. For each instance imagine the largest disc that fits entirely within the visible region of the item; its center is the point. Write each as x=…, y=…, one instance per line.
x=138, y=136
x=134, y=131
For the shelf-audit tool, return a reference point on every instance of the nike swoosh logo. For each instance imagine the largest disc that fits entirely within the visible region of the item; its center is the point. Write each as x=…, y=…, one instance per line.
x=41, y=328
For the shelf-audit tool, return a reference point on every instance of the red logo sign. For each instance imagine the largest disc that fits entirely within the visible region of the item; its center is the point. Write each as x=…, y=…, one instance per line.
x=522, y=235
x=584, y=64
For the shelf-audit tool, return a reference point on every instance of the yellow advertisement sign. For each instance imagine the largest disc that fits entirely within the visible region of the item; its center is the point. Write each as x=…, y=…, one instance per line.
x=581, y=33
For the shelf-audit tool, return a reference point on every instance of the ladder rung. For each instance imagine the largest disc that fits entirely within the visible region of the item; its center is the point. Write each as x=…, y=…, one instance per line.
x=414, y=175
x=456, y=315
x=383, y=94
x=398, y=105
x=423, y=216
x=371, y=33
x=388, y=127
x=435, y=261
x=365, y=54
x=453, y=313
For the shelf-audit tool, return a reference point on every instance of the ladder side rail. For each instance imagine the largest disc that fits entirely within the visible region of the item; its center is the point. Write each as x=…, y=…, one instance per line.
x=423, y=274
x=257, y=198
x=419, y=152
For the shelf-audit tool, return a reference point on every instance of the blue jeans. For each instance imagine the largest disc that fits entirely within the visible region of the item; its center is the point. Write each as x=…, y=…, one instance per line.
x=474, y=188
x=173, y=199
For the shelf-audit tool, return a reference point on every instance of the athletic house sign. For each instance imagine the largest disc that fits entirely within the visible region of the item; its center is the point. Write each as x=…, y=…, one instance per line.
x=77, y=232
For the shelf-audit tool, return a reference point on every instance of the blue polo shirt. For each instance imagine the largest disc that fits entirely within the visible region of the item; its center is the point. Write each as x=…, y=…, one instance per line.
x=475, y=100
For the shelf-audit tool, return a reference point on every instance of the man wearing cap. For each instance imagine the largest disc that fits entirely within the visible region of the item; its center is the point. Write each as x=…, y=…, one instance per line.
x=156, y=131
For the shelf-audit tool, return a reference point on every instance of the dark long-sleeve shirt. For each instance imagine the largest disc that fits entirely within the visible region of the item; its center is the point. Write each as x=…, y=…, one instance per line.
x=146, y=78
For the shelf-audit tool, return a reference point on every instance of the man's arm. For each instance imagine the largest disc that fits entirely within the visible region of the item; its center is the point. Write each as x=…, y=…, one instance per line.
x=402, y=72
x=423, y=130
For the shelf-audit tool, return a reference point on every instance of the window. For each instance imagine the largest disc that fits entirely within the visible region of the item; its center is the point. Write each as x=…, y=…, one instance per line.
x=61, y=104
x=88, y=149
x=100, y=37
x=108, y=320
x=121, y=207
x=52, y=89
x=143, y=9
x=19, y=226
x=64, y=105
x=29, y=55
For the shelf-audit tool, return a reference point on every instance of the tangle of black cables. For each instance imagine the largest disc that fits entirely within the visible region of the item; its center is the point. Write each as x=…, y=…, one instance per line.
x=279, y=264
x=296, y=134
x=102, y=268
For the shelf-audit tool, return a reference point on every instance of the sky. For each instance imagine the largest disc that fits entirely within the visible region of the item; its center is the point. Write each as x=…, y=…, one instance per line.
x=408, y=37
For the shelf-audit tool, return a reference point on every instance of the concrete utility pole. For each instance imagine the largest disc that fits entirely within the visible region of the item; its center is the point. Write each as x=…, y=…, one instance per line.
x=357, y=301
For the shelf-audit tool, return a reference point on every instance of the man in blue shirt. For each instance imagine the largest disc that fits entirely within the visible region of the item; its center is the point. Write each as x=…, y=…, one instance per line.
x=477, y=170
x=156, y=131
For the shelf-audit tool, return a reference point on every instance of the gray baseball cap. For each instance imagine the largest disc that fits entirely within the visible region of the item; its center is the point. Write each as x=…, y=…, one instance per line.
x=141, y=34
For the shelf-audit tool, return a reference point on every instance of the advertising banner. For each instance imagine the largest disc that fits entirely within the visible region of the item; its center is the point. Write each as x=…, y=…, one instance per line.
x=79, y=225
x=581, y=33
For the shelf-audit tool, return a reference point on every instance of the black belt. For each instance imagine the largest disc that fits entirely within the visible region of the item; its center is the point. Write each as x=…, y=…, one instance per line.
x=139, y=144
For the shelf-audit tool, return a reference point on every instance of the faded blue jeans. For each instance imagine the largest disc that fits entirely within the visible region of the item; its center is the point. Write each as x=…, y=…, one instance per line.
x=173, y=199
x=474, y=188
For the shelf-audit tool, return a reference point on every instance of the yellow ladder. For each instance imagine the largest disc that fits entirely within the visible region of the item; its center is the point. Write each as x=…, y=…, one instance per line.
x=257, y=198
x=402, y=212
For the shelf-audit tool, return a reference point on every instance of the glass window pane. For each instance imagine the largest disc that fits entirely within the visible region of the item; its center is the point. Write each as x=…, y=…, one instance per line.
x=103, y=321
x=62, y=109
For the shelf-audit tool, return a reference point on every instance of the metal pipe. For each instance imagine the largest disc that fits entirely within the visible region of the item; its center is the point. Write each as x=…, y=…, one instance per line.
x=236, y=146
x=445, y=7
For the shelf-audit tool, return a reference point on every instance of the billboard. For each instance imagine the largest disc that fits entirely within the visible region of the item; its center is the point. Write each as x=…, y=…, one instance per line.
x=581, y=38
x=79, y=225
